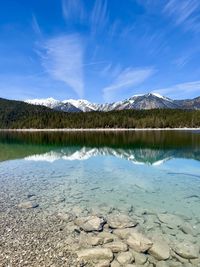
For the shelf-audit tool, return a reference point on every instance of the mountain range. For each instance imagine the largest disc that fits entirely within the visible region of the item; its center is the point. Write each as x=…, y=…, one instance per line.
x=137, y=102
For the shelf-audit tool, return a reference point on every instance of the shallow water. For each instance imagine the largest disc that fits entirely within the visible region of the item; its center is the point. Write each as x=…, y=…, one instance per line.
x=157, y=172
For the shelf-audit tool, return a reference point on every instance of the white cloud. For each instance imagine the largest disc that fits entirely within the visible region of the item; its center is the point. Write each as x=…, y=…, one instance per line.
x=99, y=16
x=73, y=9
x=129, y=77
x=181, y=90
x=182, y=61
x=184, y=12
x=62, y=58
x=110, y=71
x=35, y=26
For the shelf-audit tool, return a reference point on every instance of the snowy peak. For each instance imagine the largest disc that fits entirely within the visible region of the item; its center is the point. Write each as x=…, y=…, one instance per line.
x=82, y=104
x=47, y=102
x=138, y=102
x=54, y=104
x=149, y=101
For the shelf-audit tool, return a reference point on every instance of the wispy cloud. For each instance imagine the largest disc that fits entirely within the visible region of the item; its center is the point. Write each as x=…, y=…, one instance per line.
x=181, y=90
x=182, y=61
x=73, y=9
x=99, y=16
x=129, y=77
x=35, y=26
x=62, y=58
x=184, y=12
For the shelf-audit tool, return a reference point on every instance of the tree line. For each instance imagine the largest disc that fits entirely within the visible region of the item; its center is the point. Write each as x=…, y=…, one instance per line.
x=16, y=114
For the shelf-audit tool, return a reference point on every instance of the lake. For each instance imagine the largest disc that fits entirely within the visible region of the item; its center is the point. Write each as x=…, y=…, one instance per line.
x=64, y=194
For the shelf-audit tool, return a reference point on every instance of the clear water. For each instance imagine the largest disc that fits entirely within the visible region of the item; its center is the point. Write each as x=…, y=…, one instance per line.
x=156, y=171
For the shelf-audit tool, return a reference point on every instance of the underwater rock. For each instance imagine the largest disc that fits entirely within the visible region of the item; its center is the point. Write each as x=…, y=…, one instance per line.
x=125, y=257
x=140, y=258
x=117, y=246
x=94, y=240
x=107, y=237
x=160, y=249
x=103, y=263
x=171, y=220
x=120, y=221
x=187, y=250
x=162, y=264
x=67, y=217
x=28, y=205
x=95, y=254
x=139, y=242
x=115, y=263
x=90, y=223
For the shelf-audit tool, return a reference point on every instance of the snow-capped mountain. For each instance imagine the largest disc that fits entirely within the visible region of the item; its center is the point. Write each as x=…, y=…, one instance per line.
x=52, y=103
x=82, y=104
x=139, y=102
x=47, y=102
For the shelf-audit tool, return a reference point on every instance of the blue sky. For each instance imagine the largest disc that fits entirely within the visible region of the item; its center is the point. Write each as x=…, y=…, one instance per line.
x=99, y=50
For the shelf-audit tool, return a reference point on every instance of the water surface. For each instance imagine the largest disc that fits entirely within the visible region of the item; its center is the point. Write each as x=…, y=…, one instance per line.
x=157, y=171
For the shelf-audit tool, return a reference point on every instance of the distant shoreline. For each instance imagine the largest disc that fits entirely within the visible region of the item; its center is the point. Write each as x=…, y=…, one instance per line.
x=99, y=129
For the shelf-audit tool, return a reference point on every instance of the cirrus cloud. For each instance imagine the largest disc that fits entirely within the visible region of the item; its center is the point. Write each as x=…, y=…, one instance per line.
x=129, y=77
x=181, y=90
x=62, y=59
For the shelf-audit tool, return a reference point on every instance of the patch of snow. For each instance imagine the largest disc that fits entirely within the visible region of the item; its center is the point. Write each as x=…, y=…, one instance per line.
x=47, y=102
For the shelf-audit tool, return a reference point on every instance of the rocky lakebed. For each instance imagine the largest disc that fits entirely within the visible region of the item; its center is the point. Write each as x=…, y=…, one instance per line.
x=108, y=237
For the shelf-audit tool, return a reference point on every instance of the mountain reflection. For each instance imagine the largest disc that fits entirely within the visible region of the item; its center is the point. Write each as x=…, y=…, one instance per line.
x=144, y=147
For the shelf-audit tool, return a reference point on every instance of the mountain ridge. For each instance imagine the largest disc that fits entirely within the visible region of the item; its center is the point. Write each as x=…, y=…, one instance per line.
x=138, y=102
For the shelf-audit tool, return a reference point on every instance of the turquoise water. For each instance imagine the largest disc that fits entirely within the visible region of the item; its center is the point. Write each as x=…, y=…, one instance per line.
x=131, y=173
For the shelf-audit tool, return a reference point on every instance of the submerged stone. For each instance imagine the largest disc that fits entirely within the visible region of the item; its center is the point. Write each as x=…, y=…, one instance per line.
x=139, y=242
x=160, y=249
x=186, y=228
x=95, y=254
x=90, y=223
x=125, y=257
x=171, y=220
x=120, y=221
x=187, y=250
x=124, y=233
x=103, y=263
x=107, y=237
x=162, y=264
x=140, y=258
x=115, y=264
x=30, y=195
x=67, y=217
x=116, y=246
x=28, y=205
x=94, y=240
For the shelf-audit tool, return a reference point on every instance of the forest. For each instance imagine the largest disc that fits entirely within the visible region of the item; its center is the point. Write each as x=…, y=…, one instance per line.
x=20, y=115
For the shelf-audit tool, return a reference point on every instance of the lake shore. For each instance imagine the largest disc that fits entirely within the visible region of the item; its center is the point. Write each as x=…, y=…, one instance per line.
x=98, y=129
